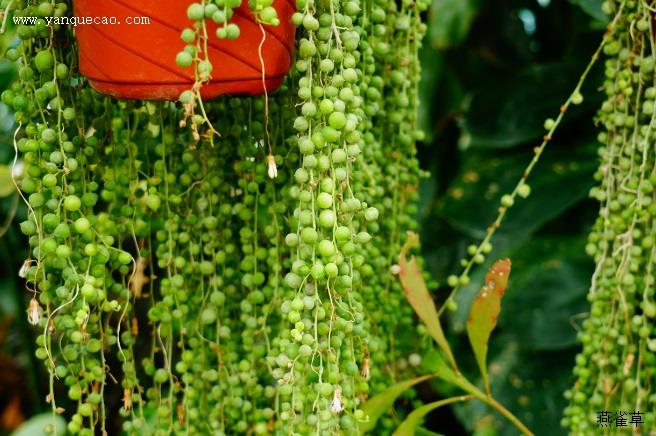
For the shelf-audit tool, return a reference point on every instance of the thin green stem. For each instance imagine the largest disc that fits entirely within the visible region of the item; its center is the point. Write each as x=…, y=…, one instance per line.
x=503, y=209
x=6, y=14
x=410, y=422
x=505, y=412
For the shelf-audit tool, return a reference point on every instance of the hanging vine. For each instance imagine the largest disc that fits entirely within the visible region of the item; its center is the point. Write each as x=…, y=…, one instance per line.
x=222, y=263
x=616, y=369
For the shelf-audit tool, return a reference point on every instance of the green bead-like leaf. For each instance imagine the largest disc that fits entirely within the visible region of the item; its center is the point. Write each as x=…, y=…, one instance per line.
x=484, y=312
x=376, y=406
x=417, y=294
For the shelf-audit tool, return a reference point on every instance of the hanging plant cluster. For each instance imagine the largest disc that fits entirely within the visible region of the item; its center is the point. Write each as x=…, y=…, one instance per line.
x=616, y=371
x=229, y=265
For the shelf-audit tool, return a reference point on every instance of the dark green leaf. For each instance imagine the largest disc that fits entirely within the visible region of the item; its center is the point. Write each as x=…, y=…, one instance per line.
x=515, y=377
x=7, y=73
x=8, y=305
x=550, y=283
x=592, y=8
x=512, y=112
x=450, y=20
x=550, y=280
x=561, y=178
x=432, y=64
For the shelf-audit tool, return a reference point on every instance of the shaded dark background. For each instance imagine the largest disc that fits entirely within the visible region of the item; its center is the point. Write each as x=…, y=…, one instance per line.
x=493, y=72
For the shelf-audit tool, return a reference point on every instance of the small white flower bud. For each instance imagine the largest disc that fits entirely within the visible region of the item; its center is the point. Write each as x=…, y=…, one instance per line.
x=272, y=169
x=337, y=406
x=22, y=273
x=366, y=368
x=34, y=312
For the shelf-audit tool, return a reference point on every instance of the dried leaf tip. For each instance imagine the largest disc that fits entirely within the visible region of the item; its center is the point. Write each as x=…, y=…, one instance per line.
x=501, y=267
x=497, y=276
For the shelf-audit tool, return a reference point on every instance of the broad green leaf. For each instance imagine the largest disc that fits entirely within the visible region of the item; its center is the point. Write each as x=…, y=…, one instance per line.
x=450, y=20
x=559, y=183
x=7, y=73
x=592, y=8
x=551, y=279
x=417, y=294
x=512, y=112
x=9, y=307
x=484, y=313
x=35, y=426
x=376, y=406
x=432, y=64
x=562, y=178
x=415, y=418
x=6, y=184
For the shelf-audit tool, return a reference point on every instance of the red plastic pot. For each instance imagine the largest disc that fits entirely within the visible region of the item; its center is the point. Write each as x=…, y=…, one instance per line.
x=137, y=61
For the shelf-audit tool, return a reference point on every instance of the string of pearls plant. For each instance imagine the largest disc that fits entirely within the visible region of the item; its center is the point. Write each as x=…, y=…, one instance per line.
x=240, y=283
x=616, y=370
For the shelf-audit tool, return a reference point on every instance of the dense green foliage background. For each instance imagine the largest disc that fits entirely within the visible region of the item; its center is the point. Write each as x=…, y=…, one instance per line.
x=493, y=72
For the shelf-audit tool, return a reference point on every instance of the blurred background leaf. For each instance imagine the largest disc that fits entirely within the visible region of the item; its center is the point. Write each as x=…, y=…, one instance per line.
x=450, y=20
x=6, y=184
x=513, y=111
x=593, y=8
x=35, y=425
x=562, y=178
x=493, y=72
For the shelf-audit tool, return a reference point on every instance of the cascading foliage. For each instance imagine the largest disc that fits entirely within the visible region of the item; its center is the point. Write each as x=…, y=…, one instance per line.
x=616, y=371
x=241, y=283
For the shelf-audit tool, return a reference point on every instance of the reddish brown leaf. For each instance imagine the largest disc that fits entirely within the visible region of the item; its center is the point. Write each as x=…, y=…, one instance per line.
x=484, y=312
